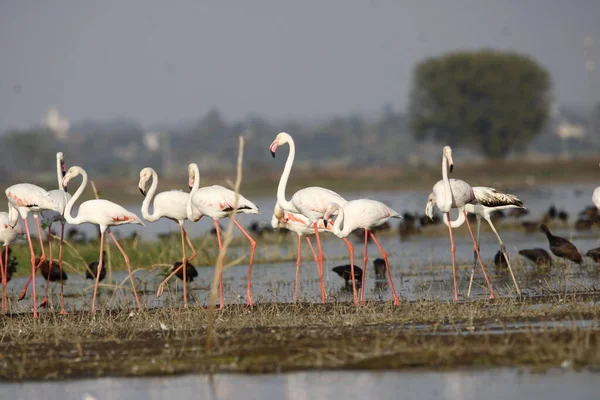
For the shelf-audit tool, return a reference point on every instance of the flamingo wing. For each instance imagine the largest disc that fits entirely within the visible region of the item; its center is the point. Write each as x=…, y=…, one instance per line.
x=490, y=197
x=30, y=196
x=172, y=204
x=104, y=212
x=314, y=200
x=218, y=198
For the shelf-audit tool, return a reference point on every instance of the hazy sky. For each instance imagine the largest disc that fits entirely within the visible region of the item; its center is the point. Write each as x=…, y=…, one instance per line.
x=166, y=61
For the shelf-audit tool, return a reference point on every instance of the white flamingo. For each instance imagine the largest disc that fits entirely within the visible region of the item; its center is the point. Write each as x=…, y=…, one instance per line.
x=25, y=198
x=171, y=205
x=454, y=193
x=301, y=225
x=105, y=214
x=362, y=214
x=489, y=200
x=7, y=235
x=218, y=202
x=596, y=196
x=310, y=202
x=61, y=197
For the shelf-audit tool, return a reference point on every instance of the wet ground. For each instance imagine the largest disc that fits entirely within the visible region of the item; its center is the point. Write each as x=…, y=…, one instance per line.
x=490, y=384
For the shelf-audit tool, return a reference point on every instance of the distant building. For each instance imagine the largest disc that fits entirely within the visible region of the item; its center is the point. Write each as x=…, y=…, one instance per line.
x=56, y=123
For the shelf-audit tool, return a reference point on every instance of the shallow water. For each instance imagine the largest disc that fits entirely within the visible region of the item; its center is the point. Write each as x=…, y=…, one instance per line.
x=421, y=266
x=488, y=384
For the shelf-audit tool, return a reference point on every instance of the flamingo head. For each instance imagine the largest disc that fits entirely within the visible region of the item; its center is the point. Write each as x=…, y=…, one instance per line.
x=192, y=168
x=281, y=138
x=145, y=176
x=429, y=206
x=448, y=154
x=71, y=173
x=332, y=209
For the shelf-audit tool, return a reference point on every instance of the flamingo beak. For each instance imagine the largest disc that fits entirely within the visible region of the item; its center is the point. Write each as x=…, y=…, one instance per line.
x=143, y=192
x=325, y=222
x=273, y=148
x=451, y=167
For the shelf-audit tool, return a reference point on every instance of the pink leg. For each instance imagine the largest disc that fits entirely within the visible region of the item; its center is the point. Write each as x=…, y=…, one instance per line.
x=60, y=267
x=189, y=242
x=453, y=252
x=297, y=267
x=313, y=251
x=161, y=287
x=42, y=259
x=184, y=265
x=137, y=300
x=387, y=267
x=252, y=250
x=351, y=251
x=3, y=272
x=33, y=268
x=44, y=302
x=221, y=301
x=479, y=257
x=320, y=263
x=365, y=259
x=98, y=270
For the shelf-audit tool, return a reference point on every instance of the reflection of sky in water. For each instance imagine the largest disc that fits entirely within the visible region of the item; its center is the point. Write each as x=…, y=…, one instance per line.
x=493, y=384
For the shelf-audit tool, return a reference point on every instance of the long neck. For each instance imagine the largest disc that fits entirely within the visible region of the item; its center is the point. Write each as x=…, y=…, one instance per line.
x=195, y=187
x=148, y=199
x=13, y=215
x=457, y=222
x=447, y=190
x=286, y=205
x=76, y=220
x=338, y=225
x=59, y=174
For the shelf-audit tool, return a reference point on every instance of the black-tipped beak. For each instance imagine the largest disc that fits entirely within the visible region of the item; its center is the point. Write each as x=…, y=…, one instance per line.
x=325, y=223
x=65, y=189
x=143, y=192
x=451, y=167
x=273, y=154
x=190, y=188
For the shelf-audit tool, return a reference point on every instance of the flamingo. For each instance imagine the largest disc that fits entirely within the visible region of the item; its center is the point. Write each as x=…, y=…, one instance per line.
x=596, y=196
x=103, y=213
x=301, y=225
x=218, y=202
x=310, y=202
x=454, y=193
x=25, y=198
x=60, y=197
x=7, y=235
x=362, y=214
x=171, y=205
x=488, y=201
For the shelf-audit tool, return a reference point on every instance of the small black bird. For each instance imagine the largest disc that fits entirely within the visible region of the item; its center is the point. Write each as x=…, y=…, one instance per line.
x=92, y=269
x=539, y=256
x=344, y=272
x=562, y=247
x=563, y=216
x=11, y=268
x=379, y=265
x=594, y=254
x=500, y=261
x=51, y=274
x=190, y=271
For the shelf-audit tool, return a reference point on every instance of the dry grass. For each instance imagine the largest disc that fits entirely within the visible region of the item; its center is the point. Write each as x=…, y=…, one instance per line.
x=284, y=337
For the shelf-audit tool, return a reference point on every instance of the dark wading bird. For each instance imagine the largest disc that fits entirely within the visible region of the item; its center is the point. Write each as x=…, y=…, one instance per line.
x=561, y=247
x=92, y=270
x=379, y=266
x=344, y=272
x=538, y=256
x=51, y=271
x=594, y=254
x=190, y=271
x=500, y=261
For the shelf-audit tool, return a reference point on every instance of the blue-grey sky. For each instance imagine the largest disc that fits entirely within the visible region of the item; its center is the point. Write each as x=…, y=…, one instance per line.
x=167, y=61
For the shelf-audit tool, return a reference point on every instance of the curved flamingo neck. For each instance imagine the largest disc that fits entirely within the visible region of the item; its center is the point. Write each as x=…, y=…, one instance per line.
x=447, y=189
x=148, y=199
x=13, y=215
x=457, y=222
x=195, y=187
x=338, y=226
x=77, y=219
x=285, y=204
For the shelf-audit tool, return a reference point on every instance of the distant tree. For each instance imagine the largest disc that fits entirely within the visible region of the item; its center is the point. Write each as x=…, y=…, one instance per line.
x=491, y=101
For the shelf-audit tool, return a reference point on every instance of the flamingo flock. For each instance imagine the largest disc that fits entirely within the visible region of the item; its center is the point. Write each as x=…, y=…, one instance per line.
x=310, y=211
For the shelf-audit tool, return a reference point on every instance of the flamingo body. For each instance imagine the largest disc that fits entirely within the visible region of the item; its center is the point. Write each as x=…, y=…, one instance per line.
x=27, y=197
x=217, y=202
